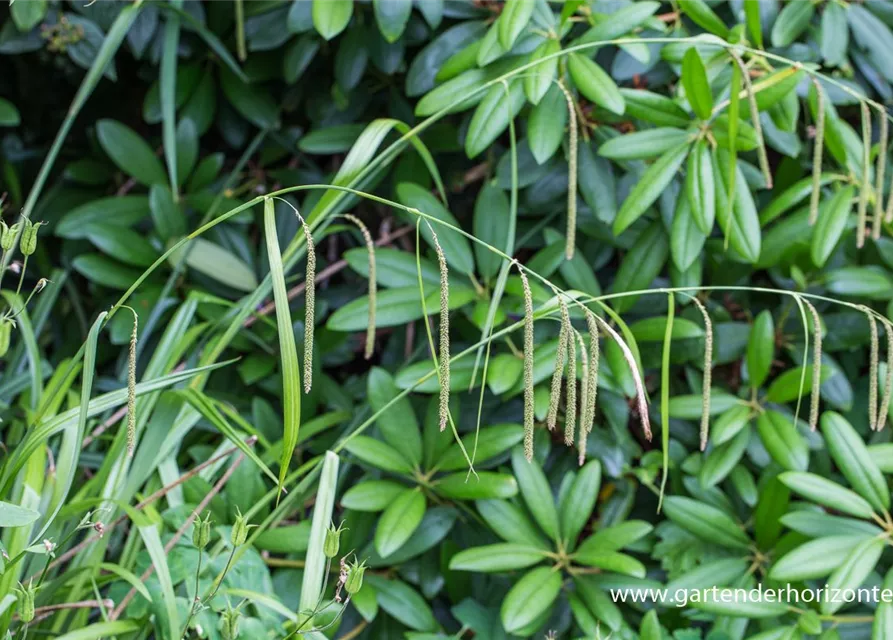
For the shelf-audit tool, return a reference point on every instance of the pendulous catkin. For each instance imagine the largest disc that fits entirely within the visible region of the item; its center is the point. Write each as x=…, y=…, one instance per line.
x=873, y=370
x=571, y=236
x=570, y=414
x=815, y=391
x=707, y=383
x=817, y=150
x=637, y=378
x=865, y=187
x=591, y=380
x=131, y=388
x=757, y=126
x=529, y=400
x=309, y=307
x=444, y=349
x=560, y=356
x=880, y=174
x=888, y=381
x=373, y=287
x=584, y=395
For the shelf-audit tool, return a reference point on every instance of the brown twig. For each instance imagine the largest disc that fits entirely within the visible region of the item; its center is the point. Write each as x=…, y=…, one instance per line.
x=326, y=273
x=114, y=615
x=163, y=491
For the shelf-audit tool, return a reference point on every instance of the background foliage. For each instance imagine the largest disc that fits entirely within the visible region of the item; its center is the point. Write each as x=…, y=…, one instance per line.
x=125, y=127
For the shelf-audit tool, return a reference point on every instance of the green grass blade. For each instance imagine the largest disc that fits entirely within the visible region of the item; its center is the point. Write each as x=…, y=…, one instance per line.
x=665, y=396
x=168, y=90
x=103, y=630
x=70, y=449
x=291, y=376
x=205, y=406
x=26, y=331
x=149, y=534
x=315, y=560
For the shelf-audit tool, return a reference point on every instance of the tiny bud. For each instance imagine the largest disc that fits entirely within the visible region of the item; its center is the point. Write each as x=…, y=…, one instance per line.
x=333, y=540
x=6, y=326
x=229, y=623
x=15, y=267
x=201, y=532
x=240, y=530
x=41, y=284
x=8, y=235
x=29, y=237
x=49, y=546
x=99, y=528
x=26, y=602
x=355, y=578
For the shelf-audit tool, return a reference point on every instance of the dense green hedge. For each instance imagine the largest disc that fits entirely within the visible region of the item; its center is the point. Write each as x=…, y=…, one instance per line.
x=685, y=204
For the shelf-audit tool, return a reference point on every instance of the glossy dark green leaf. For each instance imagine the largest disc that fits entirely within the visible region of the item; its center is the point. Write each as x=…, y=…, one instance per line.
x=615, y=537
x=492, y=220
x=697, y=88
x=863, y=282
x=654, y=108
x=512, y=21
x=252, y=102
x=545, y=125
x=852, y=458
x=397, y=423
x=492, y=116
x=653, y=329
x=378, y=454
x=511, y=524
x=595, y=85
x=486, y=485
x=330, y=17
x=496, y=557
x=491, y=441
x=13, y=515
x=540, y=77
x=686, y=238
x=699, y=187
x=760, y=348
x=130, y=152
x=649, y=187
x=403, y=602
x=720, y=461
x=166, y=214
x=832, y=220
x=532, y=595
x=702, y=15
x=398, y=521
x=576, y=506
x=456, y=248
x=854, y=570
x=123, y=244
x=793, y=384
x=827, y=493
x=835, y=34
x=643, y=144
x=792, y=20
x=705, y=521
x=641, y=265
x=815, y=559
x=391, y=17
x=783, y=442
x=729, y=424
x=217, y=263
x=372, y=495
x=739, y=222
x=536, y=493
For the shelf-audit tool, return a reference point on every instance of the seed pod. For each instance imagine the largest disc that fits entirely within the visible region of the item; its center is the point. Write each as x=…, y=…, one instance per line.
x=201, y=532
x=570, y=414
x=866, y=178
x=529, y=400
x=817, y=149
x=444, y=335
x=707, y=383
x=571, y=235
x=815, y=391
x=29, y=237
x=131, y=389
x=309, y=308
x=229, y=623
x=26, y=602
x=6, y=326
x=354, y=578
x=373, y=287
x=239, y=533
x=558, y=372
x=8, y=235
x=333, y=541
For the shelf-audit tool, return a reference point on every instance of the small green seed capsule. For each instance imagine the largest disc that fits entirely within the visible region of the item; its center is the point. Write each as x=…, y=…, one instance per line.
x=240, y=530
x=201, y=532
x=26, y=602
x=354, y=578
x=29, y=237
x=333, y=540
x=229, y=623
x=8, y=236
x=6, y=326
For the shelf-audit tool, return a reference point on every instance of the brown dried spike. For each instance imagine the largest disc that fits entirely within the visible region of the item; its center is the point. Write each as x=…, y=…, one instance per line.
x=815, y=391
x=637, y=378
x=557, y=374
x=707, y=384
